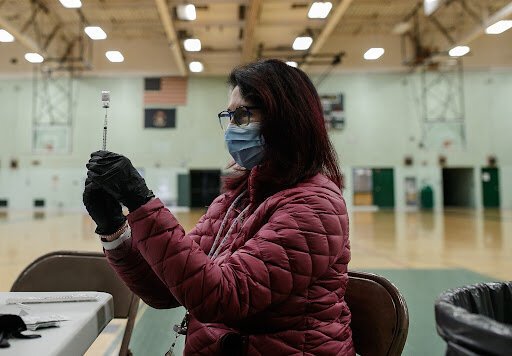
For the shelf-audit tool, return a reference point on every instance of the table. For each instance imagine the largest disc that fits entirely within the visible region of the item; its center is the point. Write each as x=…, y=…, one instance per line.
x=73, y=337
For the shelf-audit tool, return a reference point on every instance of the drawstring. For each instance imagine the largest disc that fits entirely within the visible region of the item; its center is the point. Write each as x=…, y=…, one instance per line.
x=224, y=221
x=240, y=217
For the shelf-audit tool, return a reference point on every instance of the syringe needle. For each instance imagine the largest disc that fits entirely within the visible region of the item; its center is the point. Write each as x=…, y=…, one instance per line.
x=105, y=131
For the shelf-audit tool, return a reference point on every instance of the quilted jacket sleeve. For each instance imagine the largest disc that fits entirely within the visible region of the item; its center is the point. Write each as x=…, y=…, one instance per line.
x=297, y=244
x=139, y=277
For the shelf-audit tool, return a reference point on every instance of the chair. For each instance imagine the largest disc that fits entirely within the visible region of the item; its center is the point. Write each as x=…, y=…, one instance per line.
x=380, y=319
x=66, y=271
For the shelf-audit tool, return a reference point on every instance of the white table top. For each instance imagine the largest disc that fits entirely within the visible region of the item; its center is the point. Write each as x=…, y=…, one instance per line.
x=73, y=337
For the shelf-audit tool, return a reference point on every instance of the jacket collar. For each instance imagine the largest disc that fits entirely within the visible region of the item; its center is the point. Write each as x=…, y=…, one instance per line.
x=317, y=180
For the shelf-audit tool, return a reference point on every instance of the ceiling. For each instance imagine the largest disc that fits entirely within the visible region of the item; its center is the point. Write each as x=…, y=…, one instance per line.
x=150, y=36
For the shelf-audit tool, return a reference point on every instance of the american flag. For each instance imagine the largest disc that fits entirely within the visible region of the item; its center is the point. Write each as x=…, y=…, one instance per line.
x=165, y=90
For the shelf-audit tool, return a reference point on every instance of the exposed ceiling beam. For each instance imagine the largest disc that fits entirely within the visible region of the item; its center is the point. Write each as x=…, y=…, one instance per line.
x=170, y=32
x=190, y=25
x=112, y=4
x=25, y=40
x=499, y=15
x=331, y=24
x=209, y=2
x=309, y=23
x=206, y=52
x=250, y=23
x=143, y=4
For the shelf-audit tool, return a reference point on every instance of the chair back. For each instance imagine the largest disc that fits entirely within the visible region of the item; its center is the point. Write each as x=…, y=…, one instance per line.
x=380, y=319
x=68, y=271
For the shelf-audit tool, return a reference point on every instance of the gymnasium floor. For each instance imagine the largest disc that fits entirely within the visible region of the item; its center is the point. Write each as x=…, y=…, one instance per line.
x=423, y=253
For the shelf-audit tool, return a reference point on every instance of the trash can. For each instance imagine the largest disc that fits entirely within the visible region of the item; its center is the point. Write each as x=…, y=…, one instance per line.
x=476, y=319
x=427, y=197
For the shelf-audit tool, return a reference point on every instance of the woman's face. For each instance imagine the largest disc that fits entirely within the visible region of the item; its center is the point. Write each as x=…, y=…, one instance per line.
x=236, y=101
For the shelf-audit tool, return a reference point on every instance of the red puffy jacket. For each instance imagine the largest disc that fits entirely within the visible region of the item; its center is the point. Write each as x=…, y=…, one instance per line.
x=280, y=278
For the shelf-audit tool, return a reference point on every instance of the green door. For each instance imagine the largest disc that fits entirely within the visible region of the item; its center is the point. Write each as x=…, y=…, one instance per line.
x=491, y=187
x=383, y=190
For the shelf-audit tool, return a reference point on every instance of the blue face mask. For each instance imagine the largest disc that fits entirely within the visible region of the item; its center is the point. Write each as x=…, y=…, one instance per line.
x=245, y=144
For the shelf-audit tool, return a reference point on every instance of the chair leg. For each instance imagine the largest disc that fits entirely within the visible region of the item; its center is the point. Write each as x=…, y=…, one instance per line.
x=132, y=315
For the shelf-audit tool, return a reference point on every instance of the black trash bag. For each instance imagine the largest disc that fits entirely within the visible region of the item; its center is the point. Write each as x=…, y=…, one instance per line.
x=11, y=326
x=476, y=319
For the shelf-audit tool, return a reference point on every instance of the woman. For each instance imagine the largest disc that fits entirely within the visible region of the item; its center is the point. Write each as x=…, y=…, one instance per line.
x=265, y=269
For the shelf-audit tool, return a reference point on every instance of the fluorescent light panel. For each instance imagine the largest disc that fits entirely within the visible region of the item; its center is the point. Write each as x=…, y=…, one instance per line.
x=114, y=56
x=302, y=43
x=71, y=4
x=6, y=36
x=429, y=6
x=196, y=67
x=319, y=9
x=499, y=27
x=401, y=28
x=192, y=45
x=459, y=51
x=95, y=32
x=186, y=12
x=292, y=64
x=34, y=57
x=373, y=53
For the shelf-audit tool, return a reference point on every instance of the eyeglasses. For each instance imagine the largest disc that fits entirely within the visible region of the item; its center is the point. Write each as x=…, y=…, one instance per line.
x=241, y=116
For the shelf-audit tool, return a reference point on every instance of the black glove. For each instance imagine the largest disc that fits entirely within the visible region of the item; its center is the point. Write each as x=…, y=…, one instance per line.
x=103, y=208
x=116, y=175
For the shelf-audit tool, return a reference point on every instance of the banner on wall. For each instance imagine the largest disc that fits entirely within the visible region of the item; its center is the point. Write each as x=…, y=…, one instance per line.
x=334, y=111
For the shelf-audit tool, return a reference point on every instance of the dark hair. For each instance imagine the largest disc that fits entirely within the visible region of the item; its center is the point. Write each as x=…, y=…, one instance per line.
x=296, y=142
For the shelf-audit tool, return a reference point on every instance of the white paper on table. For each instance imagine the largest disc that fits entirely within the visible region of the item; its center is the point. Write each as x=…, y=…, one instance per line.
x=41, y=320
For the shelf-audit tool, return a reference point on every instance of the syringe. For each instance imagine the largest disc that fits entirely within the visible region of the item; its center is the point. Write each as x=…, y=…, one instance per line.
x=105, y=99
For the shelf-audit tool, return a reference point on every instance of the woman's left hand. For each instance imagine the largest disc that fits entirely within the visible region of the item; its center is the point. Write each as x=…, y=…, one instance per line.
x=116, y=175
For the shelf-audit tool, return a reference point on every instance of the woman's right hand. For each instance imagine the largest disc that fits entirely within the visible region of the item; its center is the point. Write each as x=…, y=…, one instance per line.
x=103, y=208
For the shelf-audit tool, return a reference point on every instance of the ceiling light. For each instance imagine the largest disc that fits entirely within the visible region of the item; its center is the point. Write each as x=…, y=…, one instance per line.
x=499, y=27
x=196, y=67
x=34, y=57
x=186, y=12
x=292, y=64
x=302, y=43
x=114, y=56
x=95, y=32
x=319, y=9
x=71, y=4
x=6, y=36
x=192, y=45
x=430, y=6
x=458, y=51
x=401, y=28
x=373, y=53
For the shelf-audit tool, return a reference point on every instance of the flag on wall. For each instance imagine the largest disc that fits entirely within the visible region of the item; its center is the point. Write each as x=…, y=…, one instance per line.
x=165, y=90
